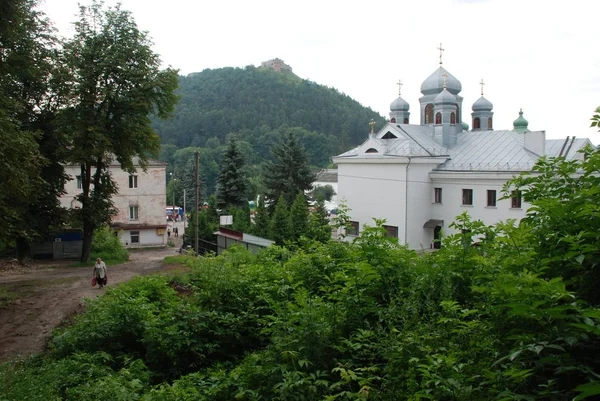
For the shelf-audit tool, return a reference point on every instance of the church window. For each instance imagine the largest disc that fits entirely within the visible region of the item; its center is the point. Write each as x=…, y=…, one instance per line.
x=515, y=200
x=491, y=198
x=467, y=197
x=406, y=120
x=429, y=114
x=438, y=118
x=353, y=228
x=452, y=118
x=393, y=120
x=476, y=123
x=437, y=195
x=391, y=231
x=490, y=123
x=371, y=150
x=389, y=135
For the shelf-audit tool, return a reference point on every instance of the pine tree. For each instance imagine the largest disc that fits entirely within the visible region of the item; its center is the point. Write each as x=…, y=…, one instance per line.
x=241, y=218
x=232, y=185
x=261, y=220
x=319, y=228
x=280, y=222
x=299, y=217
x=290, y=172
x=189, y=184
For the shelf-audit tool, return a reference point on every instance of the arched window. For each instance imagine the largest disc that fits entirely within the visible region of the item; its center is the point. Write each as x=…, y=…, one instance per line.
x=490, y=123
x=393, y=120
x=405, y=120
x=476, y=123
x=371, y=150
x=438, y=118
x=429, y=114
x=452, y=118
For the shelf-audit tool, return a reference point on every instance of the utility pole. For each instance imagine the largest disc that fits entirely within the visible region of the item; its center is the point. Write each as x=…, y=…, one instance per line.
x=197, y=157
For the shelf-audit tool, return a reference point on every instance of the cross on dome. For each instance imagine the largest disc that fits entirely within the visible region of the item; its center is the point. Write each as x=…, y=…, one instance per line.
x=481, y=83
x=372, y=125
x=441, y=49
x=399, y=83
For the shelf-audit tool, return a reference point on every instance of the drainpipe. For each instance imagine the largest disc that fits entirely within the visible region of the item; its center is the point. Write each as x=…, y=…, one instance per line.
x=406, y=203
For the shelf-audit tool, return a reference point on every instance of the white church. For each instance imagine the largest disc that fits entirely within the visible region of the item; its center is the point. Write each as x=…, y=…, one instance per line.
x=419, y=177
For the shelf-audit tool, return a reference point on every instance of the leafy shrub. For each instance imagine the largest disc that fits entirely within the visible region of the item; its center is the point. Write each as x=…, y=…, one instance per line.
x=108, y=247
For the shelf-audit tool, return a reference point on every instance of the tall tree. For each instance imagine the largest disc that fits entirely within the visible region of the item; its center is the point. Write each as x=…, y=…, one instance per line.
x=318, y=223
x=232, y=185
x=31, y=150
x=280, y=222
x=115, y=84
x=299, y=217
x=188, y=184
x=289, y=173
x=261, y=219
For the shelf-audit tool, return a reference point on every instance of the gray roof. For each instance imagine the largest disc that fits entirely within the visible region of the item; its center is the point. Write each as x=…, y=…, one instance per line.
x=329, y=175
x=474, y=151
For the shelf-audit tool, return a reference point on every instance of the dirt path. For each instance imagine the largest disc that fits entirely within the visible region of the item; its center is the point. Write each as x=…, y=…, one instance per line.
x=47, y=296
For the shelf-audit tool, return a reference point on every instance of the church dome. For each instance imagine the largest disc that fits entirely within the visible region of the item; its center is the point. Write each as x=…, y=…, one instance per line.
x=482, y=104
x=520, y=124
x=445, y=97
x=399, y=105
x=435, y=83
x=465, y=126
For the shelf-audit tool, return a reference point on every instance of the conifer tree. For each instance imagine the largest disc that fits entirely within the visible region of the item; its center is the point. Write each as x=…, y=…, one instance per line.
x=319, y=228
x=280, y=222
x=299, y=217
x=290, y=172
x=232, y=185
x=241, y=218
x=261, y=219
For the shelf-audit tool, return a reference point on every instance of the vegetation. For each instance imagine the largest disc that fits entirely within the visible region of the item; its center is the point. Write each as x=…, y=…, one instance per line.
x=232, y=185
x=114, y=85
x=508, y=319
x=108, y=246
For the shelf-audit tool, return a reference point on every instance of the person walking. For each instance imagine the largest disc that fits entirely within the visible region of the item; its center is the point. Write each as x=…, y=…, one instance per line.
x=100, y=273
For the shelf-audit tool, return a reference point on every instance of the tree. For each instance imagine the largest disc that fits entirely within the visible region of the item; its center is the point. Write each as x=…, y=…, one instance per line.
x=318, y=223
x=189, y=185
x=232, y=185
x=31, y=149
x=299, y=217
x=261, y=219
x=326, y=192
x=115, y=84
x=280, y=222
x=290, y=172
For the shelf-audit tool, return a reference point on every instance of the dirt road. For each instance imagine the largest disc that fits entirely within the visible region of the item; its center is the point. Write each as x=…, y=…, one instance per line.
x=47, y=296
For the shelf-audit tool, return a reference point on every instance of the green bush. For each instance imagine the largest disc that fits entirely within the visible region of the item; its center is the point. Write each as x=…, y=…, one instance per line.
x=108, y=247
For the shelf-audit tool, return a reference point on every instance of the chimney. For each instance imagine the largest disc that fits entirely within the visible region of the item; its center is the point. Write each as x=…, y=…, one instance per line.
x=535, y=141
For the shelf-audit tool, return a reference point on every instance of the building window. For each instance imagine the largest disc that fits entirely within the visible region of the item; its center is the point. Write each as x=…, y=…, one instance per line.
x=391, y=231
x=133, y=181
x=393, y=121
x=406, y=120
x=452, y=118
x=78, y=181
x=133, y=212
x=437, y=195
x=515, y=200
x=491, y=197
x=134, y=237
x=476, y=123
x=371, y=150
x=490, y=123
x=429, y=114
x=353, y=228
x=467, y=197
x=438, y=118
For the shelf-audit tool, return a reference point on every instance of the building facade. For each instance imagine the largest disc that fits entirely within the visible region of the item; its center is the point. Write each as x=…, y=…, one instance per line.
x=419, y=177
x=140, y=203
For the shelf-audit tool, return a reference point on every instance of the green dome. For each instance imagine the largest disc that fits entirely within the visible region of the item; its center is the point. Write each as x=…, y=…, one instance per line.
x=465, y=126
x=520, y=124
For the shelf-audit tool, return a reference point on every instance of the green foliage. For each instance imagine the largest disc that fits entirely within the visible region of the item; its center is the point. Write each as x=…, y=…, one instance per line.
x=299, y=217
x=289, y=173
x=326, y=192
x=318, y=222
x=281, y=228
x=261, y=225
x=232, y=185
x=108, y=246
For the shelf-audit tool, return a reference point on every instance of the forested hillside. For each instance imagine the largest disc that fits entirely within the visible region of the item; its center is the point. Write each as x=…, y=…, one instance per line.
x=253, y=102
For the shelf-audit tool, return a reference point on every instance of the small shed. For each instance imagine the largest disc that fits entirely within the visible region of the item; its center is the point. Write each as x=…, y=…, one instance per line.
x=227, y=237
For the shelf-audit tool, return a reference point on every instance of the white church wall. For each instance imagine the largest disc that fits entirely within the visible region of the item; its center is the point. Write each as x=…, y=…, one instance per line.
x=419, y=205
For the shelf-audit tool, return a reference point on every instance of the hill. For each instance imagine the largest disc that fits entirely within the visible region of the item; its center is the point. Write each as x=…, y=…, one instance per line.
x=254, y=102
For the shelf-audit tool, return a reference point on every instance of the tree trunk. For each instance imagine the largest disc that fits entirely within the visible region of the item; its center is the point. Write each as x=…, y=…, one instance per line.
x=22, y=249
x=88, y=236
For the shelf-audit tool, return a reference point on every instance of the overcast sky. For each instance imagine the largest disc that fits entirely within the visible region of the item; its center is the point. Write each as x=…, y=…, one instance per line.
x=539, y=55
